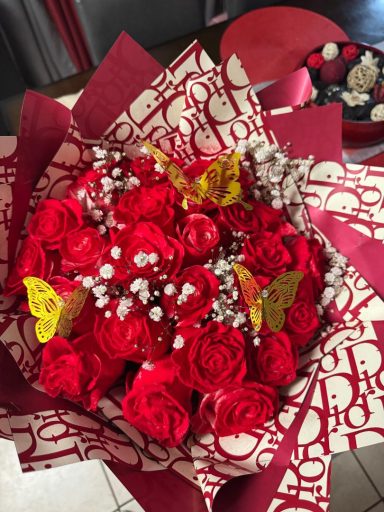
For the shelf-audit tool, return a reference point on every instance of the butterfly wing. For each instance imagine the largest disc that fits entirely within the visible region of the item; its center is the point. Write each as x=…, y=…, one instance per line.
x=219, y=183
x=252, y=294
x=45, y=305
x=178, y=179
x=281, y=294
x=72, y=309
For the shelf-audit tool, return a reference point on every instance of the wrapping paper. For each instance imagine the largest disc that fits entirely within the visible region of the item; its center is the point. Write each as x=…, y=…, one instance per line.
x=195, y=108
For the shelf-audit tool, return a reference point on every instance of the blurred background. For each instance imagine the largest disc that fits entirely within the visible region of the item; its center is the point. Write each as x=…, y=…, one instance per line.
x=43, y=41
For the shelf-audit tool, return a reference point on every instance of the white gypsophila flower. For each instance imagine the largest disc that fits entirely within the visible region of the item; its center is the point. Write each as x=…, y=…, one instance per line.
x=153, y=258
x=144, y=150
x=170, y=289
x=158, y=168
x=96, y=215
x=188, y=289
x=329, y=292
x=256, y=341
x=108, y=314
x=156, y=313
x=314, y=94
x=138, y=285
x=80, y=194
x=88, y=282
x=116, y=172
x=329, y=277
x=133, y=182
x=99, y=152
x=106, y=271
x=337, y=271
x=148, y=365
x=123, y=307
x=178, y=342
x=117, y=155
x=102, y=301
x=108, y=184
x=241, y=318
x=116, y=252
x=99, y=291
x=277, y=203
x=98, y=164
x=101, y=229
x=141, y=259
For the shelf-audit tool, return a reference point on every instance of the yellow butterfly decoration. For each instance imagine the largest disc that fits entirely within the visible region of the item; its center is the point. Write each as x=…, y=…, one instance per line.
x=219, y=182
x=270, y=302
x=53, y=313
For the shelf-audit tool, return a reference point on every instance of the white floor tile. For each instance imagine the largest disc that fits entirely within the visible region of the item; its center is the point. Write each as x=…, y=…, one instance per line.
x=120, y=491
x=132, y=507
x=80, y=487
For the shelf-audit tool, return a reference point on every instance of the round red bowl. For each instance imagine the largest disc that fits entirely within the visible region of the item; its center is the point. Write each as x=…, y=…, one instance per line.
x=357, y=134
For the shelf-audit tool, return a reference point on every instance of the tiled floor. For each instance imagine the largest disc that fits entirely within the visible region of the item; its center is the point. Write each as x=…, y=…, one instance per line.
x=83, y=487
x=357, y=485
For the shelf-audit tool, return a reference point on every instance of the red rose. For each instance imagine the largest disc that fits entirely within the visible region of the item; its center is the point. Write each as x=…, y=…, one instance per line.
x=350, y=52
x=31, y=261
x=199, y=235
x=302, y=320
x=212, y=357
x=300, y=253
x=154, y=204
x=137, y=243
x=315, y=60
x=81, y=250
x=53, y=220
x=236, y=409
x=78, y=370
x=266, y=254
x=144, y=169
x=236, y=218
x=159, y=404
x=135, y=338
x=317, y=266
x=276, y=360
x=193, y=307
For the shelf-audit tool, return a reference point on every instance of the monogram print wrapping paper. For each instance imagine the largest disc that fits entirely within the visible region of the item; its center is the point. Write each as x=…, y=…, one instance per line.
x=337, y=403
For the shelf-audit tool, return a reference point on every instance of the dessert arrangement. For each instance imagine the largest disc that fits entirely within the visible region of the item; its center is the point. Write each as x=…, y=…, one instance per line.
x=351, y=74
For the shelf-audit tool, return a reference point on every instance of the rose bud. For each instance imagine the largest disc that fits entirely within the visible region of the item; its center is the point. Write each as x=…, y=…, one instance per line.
x=158, y=404
x=333, y=71
x=78, y=370
x=199, y=236
x=235, y=409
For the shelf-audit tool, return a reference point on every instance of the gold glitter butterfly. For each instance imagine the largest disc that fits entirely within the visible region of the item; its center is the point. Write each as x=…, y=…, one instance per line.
x=219, y=183
x=53, y=313
x=268, y=303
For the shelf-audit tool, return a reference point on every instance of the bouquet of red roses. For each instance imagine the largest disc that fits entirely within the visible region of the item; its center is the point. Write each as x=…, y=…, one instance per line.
x=177, y=266
x=204, y=291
